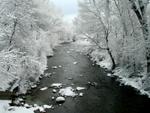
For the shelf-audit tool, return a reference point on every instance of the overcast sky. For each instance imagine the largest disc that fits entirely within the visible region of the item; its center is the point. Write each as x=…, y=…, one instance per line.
x=68, y=7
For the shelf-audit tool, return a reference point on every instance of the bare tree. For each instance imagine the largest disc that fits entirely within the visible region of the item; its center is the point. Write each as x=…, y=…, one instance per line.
x=91, y=13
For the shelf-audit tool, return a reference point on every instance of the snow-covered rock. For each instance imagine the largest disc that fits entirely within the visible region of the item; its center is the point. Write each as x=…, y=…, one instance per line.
x=75, y=63
x=59, y=66
x=56, y=85
x=48, y=74
x=47, y=106
x=109, y=74
x=34, y=86
x=80, y=88
x=54, y=90
x=81, y=94
x=44, y=88
x=54, y=67
x=40, y=108
x=60, y=99
x=53, y=98
x=27, y=105
x=68, y=91
x=70, y=78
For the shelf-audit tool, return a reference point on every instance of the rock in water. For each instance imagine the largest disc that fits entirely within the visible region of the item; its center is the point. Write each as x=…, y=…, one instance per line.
x=68, y=92
x=53, y=98
x=54, y=90
x=75, y=63
x=56, y=85
x=80, y=88
x=54, y=67
x=34, y=86
x=44, y=88
x=60, y=100
x=81, y=94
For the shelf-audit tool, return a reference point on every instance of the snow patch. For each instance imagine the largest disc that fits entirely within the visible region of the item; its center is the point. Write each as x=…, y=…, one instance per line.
x=83, y=42
x=5, y=108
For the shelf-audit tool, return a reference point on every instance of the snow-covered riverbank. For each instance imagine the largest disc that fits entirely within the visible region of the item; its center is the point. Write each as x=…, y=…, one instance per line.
x=26, y=108
x=102, y=59
x=6, y=108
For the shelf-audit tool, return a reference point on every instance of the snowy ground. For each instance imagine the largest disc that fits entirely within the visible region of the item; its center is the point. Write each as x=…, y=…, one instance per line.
x=83, y=42
x=5, y=108
x=82, y=46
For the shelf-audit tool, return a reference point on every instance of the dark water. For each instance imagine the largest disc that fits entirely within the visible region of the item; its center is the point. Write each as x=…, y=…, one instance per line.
x=107, y=97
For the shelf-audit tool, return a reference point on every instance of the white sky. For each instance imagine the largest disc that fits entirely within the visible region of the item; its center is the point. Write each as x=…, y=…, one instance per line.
x=68, y=7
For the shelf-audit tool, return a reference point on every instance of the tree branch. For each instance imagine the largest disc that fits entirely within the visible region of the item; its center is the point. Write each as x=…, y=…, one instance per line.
x=89, y=37
x=14, y=30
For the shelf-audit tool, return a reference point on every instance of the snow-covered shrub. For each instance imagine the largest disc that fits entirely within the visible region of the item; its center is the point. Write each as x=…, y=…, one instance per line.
x=32, y=68
x=18, y=70
x=10, y=68
x=101, y=58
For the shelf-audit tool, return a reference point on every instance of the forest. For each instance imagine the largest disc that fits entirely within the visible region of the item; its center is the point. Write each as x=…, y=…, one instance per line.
x=29, y=30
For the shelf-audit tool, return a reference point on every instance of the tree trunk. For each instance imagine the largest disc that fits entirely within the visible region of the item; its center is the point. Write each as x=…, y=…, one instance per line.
x=10, y=41
x=141, y=15
x=109, y=51
x=112, y=59
x=146, y=36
